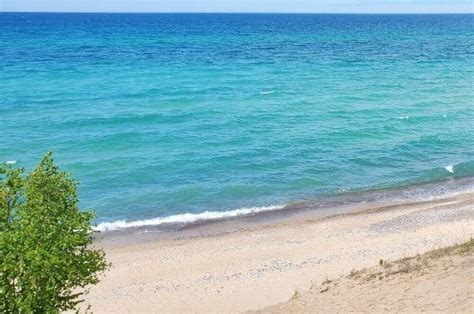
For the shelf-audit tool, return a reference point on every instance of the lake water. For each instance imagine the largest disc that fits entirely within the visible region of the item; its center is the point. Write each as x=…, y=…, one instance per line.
x=198, y=116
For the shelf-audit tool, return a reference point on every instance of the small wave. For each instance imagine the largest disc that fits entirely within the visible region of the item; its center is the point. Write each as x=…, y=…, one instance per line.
x=404, y=118
x=185, y=218
x=267, y=92
x=10, y=162
x=449, y=168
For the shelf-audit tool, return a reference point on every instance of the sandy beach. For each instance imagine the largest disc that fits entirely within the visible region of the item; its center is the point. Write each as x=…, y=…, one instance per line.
x=257, y=267
x=236, y=156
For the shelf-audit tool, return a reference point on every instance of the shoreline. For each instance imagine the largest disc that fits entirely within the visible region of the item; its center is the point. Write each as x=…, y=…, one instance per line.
x=252, y=268
x=310, y=209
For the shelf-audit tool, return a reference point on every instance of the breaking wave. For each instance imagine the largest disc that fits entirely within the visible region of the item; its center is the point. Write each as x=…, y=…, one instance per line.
x=185, y=218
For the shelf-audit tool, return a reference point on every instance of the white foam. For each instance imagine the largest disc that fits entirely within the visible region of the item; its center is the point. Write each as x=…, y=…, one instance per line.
x=404, y=118
x=267, y=92
x=184, y=218
x=449, y=168
x=10, y=162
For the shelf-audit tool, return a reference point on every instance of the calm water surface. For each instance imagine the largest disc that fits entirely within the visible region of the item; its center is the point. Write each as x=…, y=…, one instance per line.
x=167, y=114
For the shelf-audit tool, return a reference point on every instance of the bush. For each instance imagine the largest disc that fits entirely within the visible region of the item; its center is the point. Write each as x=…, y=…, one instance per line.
x=45, y=255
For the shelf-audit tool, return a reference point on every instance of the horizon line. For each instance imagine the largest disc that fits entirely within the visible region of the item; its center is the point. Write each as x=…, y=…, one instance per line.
x=229, y=12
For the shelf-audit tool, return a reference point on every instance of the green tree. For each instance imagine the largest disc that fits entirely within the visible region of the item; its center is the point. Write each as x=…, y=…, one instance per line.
x=46, y=259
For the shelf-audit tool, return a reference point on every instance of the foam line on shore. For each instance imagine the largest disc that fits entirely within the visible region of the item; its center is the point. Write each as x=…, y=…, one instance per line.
x=185, y=218
x=427, y=192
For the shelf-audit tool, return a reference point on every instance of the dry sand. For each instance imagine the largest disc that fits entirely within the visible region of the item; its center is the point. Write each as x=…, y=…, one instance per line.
x=440, y=280
x=253, y=269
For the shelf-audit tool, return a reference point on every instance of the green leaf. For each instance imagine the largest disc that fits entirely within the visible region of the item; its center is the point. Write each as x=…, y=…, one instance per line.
x=45, y=254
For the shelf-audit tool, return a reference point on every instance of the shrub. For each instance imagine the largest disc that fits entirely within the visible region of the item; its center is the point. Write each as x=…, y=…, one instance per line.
x=45, y=255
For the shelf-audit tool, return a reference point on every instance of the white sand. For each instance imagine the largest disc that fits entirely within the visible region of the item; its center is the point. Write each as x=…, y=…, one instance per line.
x=438, y=281
x=252, y=269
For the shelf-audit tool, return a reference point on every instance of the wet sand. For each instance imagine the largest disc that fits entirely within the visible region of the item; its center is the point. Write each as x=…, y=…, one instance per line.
x=258, y=266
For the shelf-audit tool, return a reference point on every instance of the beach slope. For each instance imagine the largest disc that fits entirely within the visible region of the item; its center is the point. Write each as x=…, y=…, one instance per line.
x=254, y=268
x=440, y=280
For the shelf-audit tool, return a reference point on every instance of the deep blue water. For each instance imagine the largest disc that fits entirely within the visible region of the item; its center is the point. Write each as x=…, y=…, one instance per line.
x=165, y=114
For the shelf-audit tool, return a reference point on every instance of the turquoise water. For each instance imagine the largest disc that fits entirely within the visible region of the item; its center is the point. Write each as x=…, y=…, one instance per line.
x=162, y=114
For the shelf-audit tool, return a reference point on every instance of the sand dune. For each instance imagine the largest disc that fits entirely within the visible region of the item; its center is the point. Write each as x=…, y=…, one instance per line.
x=441, y=280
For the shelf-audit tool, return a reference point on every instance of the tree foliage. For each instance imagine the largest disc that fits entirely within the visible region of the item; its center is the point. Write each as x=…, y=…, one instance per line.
x=46, y=259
